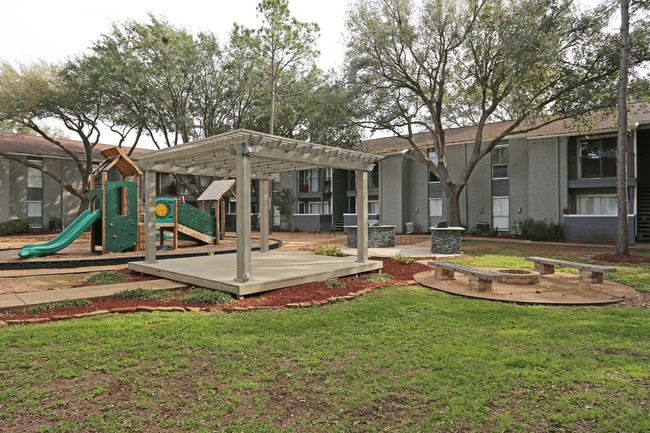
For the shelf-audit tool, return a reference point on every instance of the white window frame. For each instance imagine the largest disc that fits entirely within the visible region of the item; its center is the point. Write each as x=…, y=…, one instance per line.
x=499, y=163
x=302, y=206
x=435, y=207
x=373, y=207
x=581, y=210
x=35, y=207
x=506, y=216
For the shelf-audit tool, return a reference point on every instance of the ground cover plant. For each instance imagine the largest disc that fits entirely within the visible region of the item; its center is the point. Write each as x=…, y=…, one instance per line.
x=402, y=359
x=108, y=277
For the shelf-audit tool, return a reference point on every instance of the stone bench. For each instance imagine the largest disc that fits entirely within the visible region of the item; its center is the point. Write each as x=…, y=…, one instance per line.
x=479, y=281
x=588, y=274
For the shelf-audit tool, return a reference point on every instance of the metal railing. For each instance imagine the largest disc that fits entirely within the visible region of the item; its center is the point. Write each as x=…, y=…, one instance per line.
x=584, y=167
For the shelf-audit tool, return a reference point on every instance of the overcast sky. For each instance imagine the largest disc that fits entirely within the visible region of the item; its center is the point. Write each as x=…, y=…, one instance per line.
x=55, y=30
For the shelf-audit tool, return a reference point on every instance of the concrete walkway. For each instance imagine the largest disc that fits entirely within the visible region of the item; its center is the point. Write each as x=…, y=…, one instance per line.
x=416, y=251
x=30, y=299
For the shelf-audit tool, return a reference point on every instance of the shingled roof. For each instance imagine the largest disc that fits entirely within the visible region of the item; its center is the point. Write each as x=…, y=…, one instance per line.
x=38, y=146
x=599, y=122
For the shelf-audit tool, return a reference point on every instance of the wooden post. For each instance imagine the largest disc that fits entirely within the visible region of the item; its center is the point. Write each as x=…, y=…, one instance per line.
x=136, y=179
x=217, y=226
x=243, y=160
x=362, y=216
x=265, y=204
x=175, y=245
x=223, y=218
x=104, y=180
x=150, y=216
x=91, y=186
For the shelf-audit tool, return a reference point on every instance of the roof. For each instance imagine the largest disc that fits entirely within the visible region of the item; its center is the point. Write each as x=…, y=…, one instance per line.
x=270, y=154
x=598, y=122
x=216, y=190
x=36, y=145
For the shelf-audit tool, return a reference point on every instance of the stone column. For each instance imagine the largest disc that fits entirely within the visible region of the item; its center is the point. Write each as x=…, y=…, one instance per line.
x=265, y=206
x=243, y=181
x=150, y=216
x=362, y=216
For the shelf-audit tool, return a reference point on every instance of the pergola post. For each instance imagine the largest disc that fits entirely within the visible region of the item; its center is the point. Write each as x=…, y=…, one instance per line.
x=243, y=176
x=265, y=205
x=150, y=216
x=362, y=216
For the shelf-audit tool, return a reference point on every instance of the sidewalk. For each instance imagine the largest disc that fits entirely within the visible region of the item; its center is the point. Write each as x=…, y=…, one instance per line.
x=30, y=299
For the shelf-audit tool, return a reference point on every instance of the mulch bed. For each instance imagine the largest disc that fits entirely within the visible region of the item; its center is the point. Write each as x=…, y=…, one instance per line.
x=613, y=258
x=318, y=291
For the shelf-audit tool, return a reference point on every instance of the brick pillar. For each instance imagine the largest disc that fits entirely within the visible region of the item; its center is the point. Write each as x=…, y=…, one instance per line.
x=544, y=269
x=589, y=277
x=478, y=285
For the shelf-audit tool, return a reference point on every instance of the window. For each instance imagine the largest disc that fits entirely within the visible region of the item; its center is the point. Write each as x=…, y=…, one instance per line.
x=500, y=161
x=597, y=158
x=352, y=181
x=374, y=177
x=35, y=193
x=318, y=208
x=501, y=213
x=434, y=158
x=373, y=207
x=301, y=207
x=232, y=206
x=597, y=205
x=435, y=207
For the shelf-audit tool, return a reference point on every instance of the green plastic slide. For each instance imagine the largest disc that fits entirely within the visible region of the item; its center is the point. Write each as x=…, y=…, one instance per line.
x=65, y=238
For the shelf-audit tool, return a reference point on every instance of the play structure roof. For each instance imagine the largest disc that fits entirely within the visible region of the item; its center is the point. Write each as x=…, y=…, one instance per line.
x=216, y=189
x=117, y=158
x=215, y=156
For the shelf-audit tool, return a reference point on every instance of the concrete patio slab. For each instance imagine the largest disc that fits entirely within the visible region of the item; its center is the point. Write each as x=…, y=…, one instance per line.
x=269, y=271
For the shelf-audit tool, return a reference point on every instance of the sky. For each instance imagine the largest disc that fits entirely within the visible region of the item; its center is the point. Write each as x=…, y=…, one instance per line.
x=56, y=30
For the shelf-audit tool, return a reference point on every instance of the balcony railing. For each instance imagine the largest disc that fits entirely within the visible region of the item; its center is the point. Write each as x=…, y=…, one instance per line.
x=584, y=167
x=310, y=185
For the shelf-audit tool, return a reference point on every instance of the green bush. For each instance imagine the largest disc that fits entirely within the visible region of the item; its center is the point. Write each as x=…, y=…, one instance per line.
x=328, y=251
x=335, y=284
x=407, y=260
x=16, y=226
x=134, y=294
x=61, y=304
x=538, y=230
x=201, y=295
x=108, y=277
x=376, y=278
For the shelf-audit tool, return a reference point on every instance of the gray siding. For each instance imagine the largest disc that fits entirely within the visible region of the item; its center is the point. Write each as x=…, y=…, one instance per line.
x=18, y=190
x=518, y=180
x=419, y=201
x=479, y=192
x=5, y=191
x=393, y=187
x=544, y=198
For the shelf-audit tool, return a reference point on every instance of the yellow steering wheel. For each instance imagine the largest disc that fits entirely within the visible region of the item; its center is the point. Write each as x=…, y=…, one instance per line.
x=162, y=210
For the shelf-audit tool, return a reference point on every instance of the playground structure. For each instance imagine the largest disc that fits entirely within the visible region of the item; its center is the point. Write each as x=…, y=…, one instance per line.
x=115, y=209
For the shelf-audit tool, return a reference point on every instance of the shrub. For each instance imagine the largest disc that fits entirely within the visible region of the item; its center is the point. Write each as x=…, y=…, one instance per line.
x=538, y=230
x=335, y=284
x=107, y=277
x=133, y=294
x=201, y=295
x=407, y=260
x=376, y=278
x=61, y=304
x=328, y=251
x=16, y=226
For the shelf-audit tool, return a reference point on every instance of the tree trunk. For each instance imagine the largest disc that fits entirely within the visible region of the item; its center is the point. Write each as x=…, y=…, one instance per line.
x=622, y=248
x=452, y=206
x=272, y=114
x=84, y=205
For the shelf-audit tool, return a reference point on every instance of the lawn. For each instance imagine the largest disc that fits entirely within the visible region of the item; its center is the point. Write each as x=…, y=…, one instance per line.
x=402, y=359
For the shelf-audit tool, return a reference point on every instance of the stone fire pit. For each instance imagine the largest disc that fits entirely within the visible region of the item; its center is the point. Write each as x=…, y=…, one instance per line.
x=519, y=276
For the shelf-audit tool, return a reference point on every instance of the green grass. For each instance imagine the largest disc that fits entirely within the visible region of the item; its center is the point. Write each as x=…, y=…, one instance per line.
x=135, y=294
x=108, y=277
x=398, y=360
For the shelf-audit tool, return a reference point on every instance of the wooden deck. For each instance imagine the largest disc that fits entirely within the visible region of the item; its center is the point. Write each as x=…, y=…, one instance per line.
x=269, y=271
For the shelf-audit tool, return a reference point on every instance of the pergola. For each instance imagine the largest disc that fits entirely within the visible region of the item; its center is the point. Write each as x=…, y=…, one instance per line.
x=247, y=155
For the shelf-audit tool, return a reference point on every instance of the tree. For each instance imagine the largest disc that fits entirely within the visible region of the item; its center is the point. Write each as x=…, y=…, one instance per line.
x=284, y=203
x=419, y=65
x=284, y=46
x=622, y=247
x=31, y=94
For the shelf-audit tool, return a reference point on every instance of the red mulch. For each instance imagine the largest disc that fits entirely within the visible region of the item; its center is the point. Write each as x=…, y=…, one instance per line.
x=613, y=258
x=317, y=291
